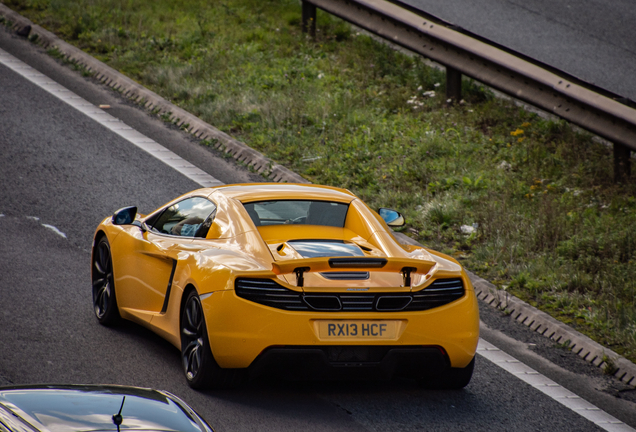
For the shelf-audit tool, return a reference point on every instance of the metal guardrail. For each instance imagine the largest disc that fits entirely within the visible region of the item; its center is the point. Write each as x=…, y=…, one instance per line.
x=488, y=64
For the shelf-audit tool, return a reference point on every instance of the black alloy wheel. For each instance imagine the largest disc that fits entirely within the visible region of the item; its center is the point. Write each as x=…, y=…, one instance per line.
x=201, y=370
x=193, y=339
x=104, y=301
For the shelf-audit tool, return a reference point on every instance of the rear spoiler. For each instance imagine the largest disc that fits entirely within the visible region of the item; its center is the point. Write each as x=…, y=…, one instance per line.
x=406, y=266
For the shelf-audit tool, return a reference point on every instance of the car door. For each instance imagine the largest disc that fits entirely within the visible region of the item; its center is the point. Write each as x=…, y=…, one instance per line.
x=144, y=279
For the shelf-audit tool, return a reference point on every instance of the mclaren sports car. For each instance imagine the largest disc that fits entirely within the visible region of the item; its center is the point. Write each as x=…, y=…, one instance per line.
x=294, y=279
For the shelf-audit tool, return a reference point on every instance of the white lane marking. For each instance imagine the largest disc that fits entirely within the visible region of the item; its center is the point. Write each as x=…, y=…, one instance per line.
x=54, y=229
x=551, y=388
x=114, y=124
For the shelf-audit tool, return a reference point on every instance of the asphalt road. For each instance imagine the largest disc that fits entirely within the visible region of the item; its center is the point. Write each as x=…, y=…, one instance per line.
x=59, y=168
x=593, y=40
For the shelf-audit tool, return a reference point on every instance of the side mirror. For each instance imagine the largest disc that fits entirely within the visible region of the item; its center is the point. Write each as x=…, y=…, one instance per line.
x=391, y=217
x=125, y=216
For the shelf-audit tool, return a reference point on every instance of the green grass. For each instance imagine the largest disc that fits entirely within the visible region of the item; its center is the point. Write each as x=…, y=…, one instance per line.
x=348, y=111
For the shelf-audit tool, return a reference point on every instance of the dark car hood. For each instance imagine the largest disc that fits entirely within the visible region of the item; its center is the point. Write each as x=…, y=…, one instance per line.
x=91, y=408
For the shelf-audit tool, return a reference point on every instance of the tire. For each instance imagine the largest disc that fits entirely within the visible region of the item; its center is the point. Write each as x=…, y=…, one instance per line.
x=450, y=379
x=104, y=300
x=199, y=366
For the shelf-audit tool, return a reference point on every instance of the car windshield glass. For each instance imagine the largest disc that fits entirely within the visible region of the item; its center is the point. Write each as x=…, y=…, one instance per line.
x=297, y=212
x=189, y=218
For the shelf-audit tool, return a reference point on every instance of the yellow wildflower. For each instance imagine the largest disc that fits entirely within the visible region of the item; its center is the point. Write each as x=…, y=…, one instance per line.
x=517, y=132
x=525, y=125
x=521, y=139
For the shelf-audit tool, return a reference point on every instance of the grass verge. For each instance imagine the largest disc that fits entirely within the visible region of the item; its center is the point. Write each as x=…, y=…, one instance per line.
x=526, y=203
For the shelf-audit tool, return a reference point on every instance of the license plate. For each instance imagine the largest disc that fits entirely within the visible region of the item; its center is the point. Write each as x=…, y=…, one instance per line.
x=358, y=329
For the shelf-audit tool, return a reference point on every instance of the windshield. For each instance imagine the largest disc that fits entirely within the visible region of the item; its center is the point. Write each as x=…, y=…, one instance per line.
x=324, y=213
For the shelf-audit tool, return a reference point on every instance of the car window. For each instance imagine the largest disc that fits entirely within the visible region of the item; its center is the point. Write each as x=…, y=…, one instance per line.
x=325, y=213
x=191, y=217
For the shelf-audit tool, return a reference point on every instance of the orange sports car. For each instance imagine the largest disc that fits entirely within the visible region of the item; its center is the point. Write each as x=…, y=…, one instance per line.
x=298, y=279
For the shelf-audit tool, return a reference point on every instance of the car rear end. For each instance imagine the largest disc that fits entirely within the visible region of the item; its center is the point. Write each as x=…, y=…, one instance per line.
x=343, y=298
x=345, y=330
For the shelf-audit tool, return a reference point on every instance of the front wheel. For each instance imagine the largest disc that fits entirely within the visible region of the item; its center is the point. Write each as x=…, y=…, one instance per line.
x=450, y=379
x=201, y=370
x=104, y=300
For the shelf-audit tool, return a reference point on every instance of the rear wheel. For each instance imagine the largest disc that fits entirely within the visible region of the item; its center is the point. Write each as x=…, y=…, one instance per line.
x=104, y=300
x=201, y=370
x=450, y=379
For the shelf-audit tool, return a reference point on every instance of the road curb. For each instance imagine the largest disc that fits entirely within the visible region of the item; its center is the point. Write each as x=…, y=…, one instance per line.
x=521, y=311
x=559, y=332
x=548, y=326
x=150, y=100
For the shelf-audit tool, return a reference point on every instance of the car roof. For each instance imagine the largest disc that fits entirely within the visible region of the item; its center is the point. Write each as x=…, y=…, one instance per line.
x=284, y=191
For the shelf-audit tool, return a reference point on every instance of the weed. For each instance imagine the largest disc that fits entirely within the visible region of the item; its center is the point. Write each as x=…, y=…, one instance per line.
x=566, y=345
x=609, y=367
x=211, y=142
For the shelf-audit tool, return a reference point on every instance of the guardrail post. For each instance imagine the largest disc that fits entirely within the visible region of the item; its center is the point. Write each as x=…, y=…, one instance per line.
x=622, y=163
x=309, y=18
x=453, y=84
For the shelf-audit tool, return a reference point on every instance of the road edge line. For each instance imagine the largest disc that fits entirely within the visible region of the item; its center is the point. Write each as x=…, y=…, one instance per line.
x=111, y=123
x=550, y=388
x=149, y=99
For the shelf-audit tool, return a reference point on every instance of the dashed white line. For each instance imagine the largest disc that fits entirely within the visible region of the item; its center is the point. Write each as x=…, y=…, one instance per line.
x=55, y=230
x=552, y=389
x=112, y=123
